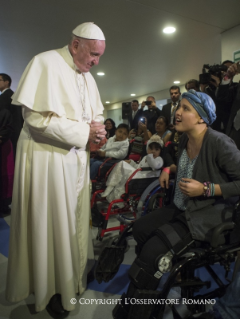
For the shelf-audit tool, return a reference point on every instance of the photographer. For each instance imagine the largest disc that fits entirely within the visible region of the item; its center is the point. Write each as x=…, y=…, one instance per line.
x=225, y=95
x=152, y=114
x=221, y=91
x=233, y=91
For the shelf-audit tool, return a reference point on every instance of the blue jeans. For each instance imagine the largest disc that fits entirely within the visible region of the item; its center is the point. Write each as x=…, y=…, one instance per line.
x=94, y=166
x=229, y=305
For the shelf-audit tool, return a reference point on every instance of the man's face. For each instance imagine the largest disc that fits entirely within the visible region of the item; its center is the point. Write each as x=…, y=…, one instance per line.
x=191, y=86
x=3, y=84
x=134, y=106
x=86, y=53
x=150, y=99
x=175, y=95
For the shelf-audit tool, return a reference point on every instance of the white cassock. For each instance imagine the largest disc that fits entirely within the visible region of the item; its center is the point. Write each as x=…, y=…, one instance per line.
x=50, y=239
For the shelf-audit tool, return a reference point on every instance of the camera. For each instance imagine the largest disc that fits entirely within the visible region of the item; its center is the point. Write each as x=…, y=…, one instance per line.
x=148, y=102
x=216, y=69
x=142, y=120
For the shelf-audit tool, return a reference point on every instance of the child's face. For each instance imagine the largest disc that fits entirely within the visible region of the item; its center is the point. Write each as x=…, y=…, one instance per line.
x=121, y=134
x=155, y=152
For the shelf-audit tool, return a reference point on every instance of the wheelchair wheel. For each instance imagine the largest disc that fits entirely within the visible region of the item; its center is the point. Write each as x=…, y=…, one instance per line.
x=155, y=202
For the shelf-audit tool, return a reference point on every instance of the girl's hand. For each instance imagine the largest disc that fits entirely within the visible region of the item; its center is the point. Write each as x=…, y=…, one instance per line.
x=191, y=187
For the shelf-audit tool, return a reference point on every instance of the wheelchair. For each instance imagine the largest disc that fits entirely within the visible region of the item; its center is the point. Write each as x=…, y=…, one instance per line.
x=134, y=188
x=223, y=249
x=100, y=180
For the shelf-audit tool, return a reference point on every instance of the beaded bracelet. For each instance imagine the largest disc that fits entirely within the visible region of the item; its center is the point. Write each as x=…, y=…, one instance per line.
x=167, y=170
x=208, y=189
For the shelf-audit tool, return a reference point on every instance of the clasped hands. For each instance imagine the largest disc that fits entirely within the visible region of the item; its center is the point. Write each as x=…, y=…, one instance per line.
x=97, y=132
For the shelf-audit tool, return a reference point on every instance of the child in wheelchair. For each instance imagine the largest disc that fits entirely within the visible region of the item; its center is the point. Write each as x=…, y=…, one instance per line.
x=116, y=146
x=207, y=179
x=124, y=169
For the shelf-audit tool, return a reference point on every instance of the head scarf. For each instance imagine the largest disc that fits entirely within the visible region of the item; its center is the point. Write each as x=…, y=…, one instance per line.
x=203, y=104
x=89, y=30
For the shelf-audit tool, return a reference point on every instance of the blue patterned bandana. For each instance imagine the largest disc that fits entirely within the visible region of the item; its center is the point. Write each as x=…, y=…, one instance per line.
x=203, y=104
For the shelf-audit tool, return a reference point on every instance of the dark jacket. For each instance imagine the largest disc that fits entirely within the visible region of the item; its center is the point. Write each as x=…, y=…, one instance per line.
x=217, y=162
x=5, y=99
x=133, y=123
x=152, y=115
x=166, y=111
x=16, y=113
x=230, y=130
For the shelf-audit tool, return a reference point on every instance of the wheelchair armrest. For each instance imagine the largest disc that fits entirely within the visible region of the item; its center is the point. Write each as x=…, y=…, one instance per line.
x=146, y=169
x=218, y=231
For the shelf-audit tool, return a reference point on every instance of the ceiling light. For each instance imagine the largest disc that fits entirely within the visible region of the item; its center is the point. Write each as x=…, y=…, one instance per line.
x=100, y=73
x=133, y=94
x=176, y=82
x=169, y=30
x=107, y=102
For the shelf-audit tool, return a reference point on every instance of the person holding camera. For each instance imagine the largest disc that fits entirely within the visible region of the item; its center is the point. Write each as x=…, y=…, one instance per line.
x=152, y=114
x=233, y=125
x=221, y=90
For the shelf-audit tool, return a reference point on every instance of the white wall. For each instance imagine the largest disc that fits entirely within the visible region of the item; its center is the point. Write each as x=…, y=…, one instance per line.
x=230, y=43
x=160, y=95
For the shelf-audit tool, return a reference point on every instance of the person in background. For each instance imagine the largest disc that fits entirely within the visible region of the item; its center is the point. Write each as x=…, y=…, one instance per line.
x=152, y=113
x=192, y=85
x=6, y=161
x=123, y=170
x=110, y=127
x=116, y=147
x=5, y=102
x=169, y=109
x=161, y=127
x=141, y=131
x=135, y=115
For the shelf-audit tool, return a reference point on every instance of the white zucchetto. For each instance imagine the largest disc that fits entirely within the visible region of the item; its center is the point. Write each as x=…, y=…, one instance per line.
x=89, y=30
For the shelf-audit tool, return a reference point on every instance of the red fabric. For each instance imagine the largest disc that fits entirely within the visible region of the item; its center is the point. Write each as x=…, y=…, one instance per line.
x=7, y=169
x=134, y=157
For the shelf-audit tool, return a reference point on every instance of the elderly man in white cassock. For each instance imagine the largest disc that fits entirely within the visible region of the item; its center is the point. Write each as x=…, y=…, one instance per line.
x=50, y=241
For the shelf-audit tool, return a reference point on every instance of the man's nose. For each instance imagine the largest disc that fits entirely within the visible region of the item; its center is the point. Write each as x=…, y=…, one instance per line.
x=96, y=60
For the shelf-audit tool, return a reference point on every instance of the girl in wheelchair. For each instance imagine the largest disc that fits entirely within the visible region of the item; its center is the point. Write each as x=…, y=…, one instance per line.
x=124, y=169
x=207, y=179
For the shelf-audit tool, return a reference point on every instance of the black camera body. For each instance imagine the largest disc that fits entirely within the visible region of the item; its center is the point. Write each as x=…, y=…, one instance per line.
x=148, y=102
x=216, y=69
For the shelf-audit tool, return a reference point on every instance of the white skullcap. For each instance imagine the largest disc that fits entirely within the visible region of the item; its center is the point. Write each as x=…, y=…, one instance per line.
x=89, y=30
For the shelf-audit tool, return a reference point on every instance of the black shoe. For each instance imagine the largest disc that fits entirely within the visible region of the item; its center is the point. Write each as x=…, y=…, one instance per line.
x=55, y=308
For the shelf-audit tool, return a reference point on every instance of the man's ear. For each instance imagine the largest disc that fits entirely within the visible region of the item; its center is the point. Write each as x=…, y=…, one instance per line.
x=75, y=44
x=201, y=121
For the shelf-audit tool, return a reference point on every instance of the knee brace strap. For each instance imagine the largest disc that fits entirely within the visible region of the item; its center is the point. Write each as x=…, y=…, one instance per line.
x=141, y=278
x=172, y=240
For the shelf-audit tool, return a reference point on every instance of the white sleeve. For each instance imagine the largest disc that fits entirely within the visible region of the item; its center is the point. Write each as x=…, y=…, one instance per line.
x=154, y=163
x=119, y=154
x=134, y=164
x=52, y=126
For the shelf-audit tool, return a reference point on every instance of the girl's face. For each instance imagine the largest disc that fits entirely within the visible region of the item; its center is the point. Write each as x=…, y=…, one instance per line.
x=153, y=151
x=108, y=125
x=160, y=126
x=186, y=117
